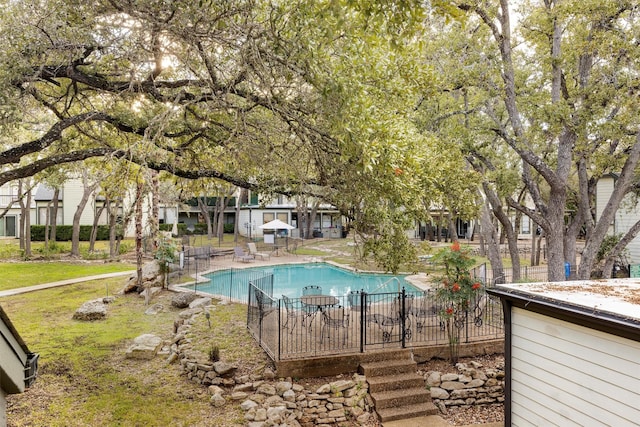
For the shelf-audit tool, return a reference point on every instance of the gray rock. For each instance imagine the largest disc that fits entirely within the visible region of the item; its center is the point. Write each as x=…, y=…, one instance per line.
x=452, y=385
x=341, y=385
x=200, y=302
x=268, y=374
x=150, y=291
x=474, y=383
x=449, y=377
x=283, y=386
x=183, y=299
x=434, y=379
x=145, y=346
x=217, y=400
x=154, y=309
x=91, y=310
x=214, y=389
x=266, y=389
x=248, y=404
x=224, y=369
x=150, y=273
x=238, y=395
x=438, y=393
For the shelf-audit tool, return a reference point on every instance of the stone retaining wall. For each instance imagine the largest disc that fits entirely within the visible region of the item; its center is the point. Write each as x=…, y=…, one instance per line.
x=472, y=385
x=269, y=401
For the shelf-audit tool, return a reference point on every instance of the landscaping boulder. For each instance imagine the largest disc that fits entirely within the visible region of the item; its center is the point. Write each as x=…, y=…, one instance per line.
x=91, y=310
x=200, y=302
x=145, y=346
x=150, y=292
x=154, y=309
x=150, y=276
x=183, y=299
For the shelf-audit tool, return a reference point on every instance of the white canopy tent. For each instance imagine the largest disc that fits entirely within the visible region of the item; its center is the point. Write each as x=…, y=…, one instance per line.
x=275, y=225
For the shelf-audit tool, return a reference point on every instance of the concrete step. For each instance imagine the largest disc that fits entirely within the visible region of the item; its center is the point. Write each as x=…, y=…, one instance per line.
x=400, y=397
x=407, y=411
x=388, y=367
x=394, y=382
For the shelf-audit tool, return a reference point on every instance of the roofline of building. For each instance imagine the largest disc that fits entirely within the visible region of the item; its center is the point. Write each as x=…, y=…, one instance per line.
x=604, y=321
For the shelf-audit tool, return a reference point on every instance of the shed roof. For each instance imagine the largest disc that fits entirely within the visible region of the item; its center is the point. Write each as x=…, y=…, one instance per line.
x=619, y=297
x=612, y=306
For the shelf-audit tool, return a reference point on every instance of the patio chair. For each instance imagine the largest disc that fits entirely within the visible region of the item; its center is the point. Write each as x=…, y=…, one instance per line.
x=241, y=255
x=425, y=311
x=335, y=319
x=293, y=312
x=354, y=299
x=312, y=290
x=395, y=319
x=253, y=250
x=311, y=311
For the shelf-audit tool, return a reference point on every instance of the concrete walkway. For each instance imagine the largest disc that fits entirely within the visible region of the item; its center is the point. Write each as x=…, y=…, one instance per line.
x=17, y=291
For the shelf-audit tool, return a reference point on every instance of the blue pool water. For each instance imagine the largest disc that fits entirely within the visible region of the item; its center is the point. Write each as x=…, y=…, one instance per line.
x=289, y=279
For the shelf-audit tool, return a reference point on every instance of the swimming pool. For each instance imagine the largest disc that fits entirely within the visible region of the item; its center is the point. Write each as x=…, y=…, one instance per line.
x=289, y=279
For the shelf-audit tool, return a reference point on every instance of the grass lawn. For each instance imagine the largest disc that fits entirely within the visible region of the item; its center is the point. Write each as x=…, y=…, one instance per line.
x=85, y=379
x=18, y=275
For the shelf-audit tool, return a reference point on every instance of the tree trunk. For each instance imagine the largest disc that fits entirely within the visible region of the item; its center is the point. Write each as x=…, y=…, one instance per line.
x=94, y=227
x=618, y=248
x=204, y=210
x=138, y=205
x=75, y=233
x=25, y=220
x=54, y=212
x=236, y=230
x=534, y=243
x=490, y=237
x=312, y=216
x=47, y=216
x=495, y=206
x=112, y=209
x=22, y=214
x=220, y=220
x=154, y=220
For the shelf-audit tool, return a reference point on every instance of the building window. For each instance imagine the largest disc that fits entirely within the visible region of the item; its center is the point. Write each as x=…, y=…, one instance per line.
x=526, y=225
x=267, y=217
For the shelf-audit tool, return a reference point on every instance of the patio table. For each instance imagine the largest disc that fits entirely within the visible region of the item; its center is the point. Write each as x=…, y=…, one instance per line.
x=315, y=303
x=319, y=301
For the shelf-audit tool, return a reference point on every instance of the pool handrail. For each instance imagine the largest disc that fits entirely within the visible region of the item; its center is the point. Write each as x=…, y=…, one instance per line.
x=382, y=285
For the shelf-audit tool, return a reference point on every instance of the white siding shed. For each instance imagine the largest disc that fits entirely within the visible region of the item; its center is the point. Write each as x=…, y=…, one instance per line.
x=572, y=353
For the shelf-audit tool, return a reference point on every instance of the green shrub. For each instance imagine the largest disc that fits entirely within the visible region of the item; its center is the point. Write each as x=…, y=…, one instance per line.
x=228, y=228
x=65, y=232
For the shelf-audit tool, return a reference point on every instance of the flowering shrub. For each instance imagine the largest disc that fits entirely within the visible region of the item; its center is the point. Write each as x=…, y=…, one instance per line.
x=455, y=293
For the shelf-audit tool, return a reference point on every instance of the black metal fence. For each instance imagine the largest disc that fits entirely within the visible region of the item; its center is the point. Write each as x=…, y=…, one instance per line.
x=319, y=325
x=527, y=274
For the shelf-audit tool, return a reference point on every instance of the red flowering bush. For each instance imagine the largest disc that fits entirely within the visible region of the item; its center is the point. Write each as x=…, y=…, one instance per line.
x=456, y=292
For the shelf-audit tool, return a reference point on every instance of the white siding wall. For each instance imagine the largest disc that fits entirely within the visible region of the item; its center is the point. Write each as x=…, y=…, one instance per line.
x=603, y=192
x=624, y=219
x=71, y=199
x=568, y=375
